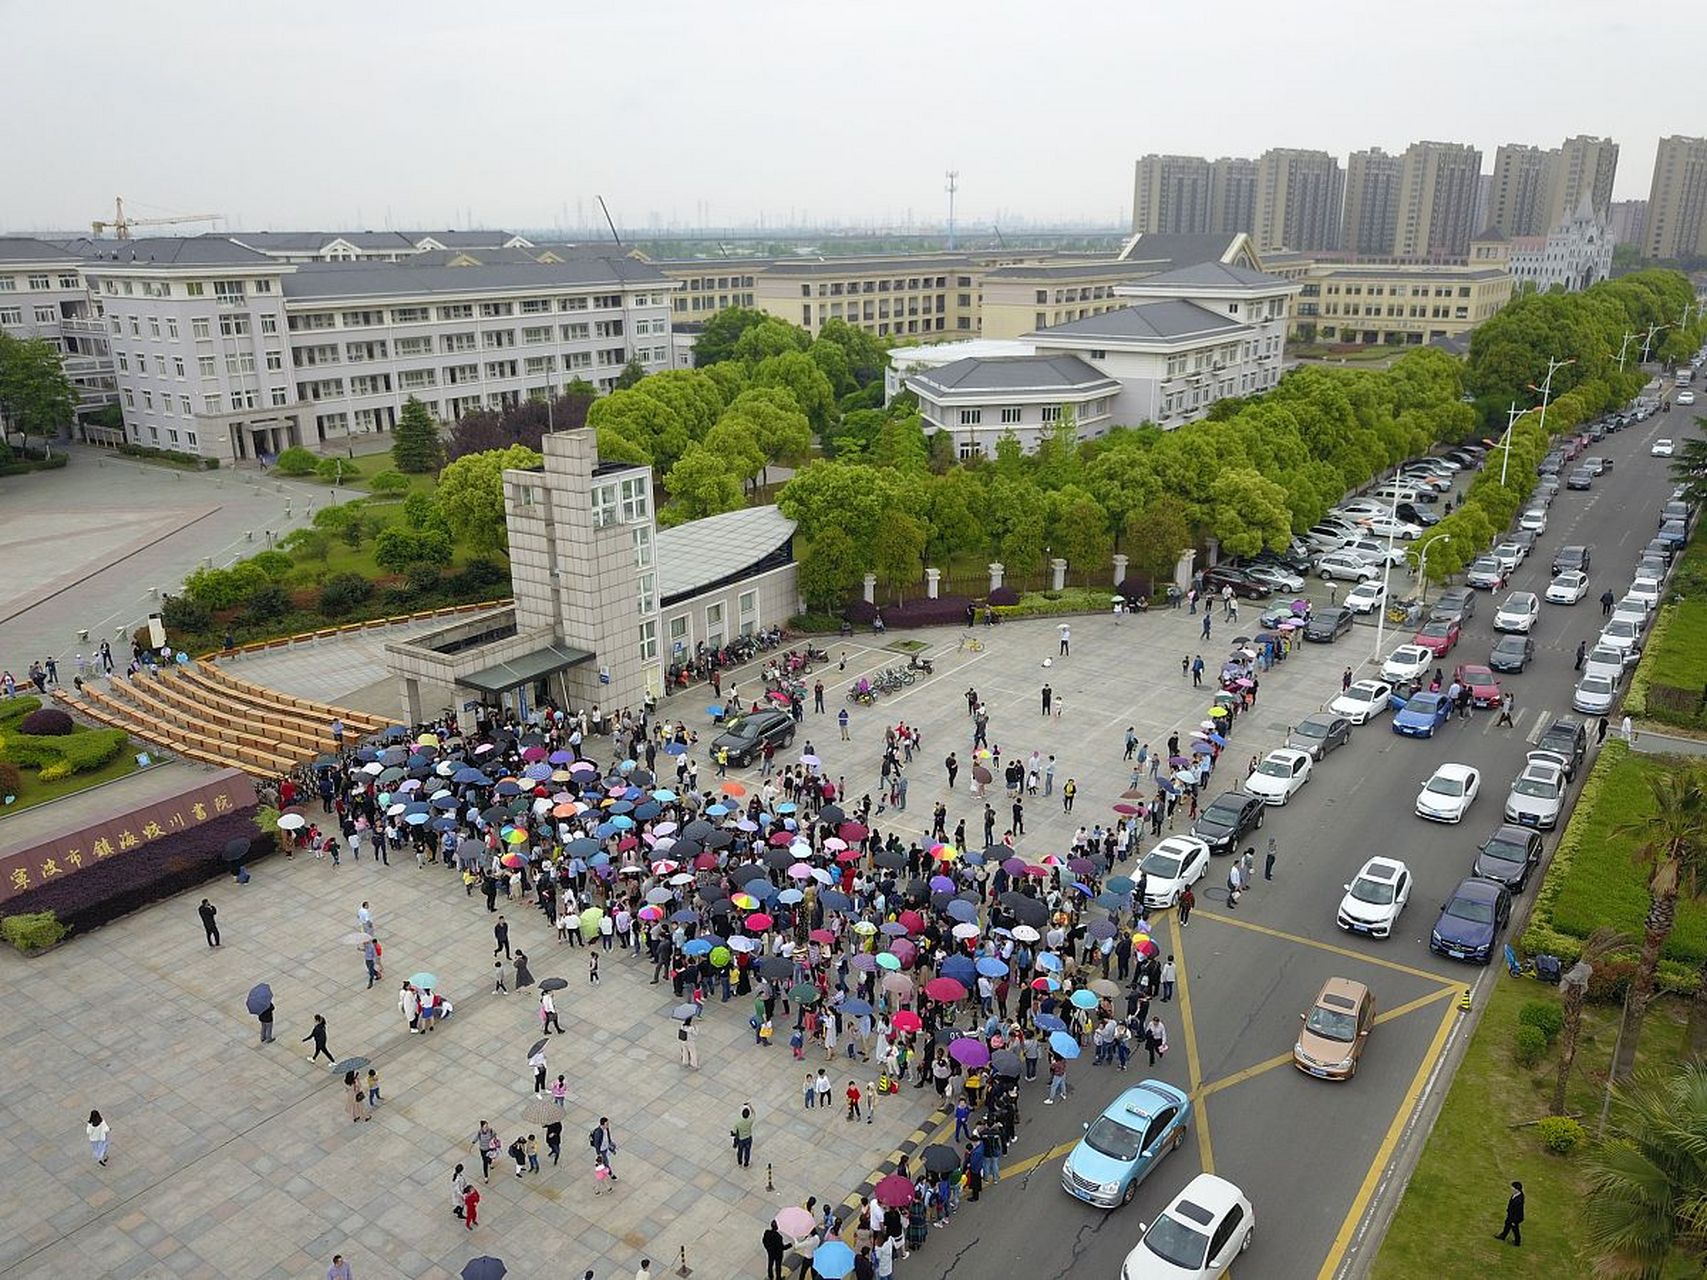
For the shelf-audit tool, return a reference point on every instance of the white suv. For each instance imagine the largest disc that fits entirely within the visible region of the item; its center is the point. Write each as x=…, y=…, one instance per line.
x=1375, y=897
x=1537, y=795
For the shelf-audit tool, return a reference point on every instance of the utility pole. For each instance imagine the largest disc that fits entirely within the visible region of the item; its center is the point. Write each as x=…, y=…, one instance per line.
x=952, y=187
x=1546, y=390
x=1621, y=346
x=1648, y=342
x=1511, y=416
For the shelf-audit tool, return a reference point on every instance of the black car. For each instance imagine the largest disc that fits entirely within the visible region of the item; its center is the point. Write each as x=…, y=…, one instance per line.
x=1328, y=625
x=1471, y=921
x=1511, y=653
x=1226, y=575
x=1230, y=817
x=1575, y=557
x=1508, y=856
x=1566, y=740
x=1581, y=478
x=1319, y=734
x=1417, y=515
x=1459, y=604
x=745, y=736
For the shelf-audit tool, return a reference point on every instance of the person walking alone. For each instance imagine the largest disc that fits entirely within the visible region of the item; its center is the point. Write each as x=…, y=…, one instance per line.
x=98, y=1132
x=207, y=911
x=1513, y=1215
x=688, y=1036
x=742, y=1133
x=318, y=1035
x=1187, y=900
x=1268, y=859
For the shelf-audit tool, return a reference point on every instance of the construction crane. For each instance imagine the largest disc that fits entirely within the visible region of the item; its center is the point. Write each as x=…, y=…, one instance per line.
x=121, y=225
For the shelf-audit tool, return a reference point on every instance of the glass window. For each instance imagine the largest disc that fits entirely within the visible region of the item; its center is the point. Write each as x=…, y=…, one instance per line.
x=648, y=593
x=643, y=547
x=604, y=506
x=649, y=640
x=634, y=504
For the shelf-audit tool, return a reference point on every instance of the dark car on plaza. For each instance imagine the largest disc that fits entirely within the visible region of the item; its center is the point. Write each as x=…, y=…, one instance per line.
x=1457, y=603
x=1508, y=856
x=1574, y=557
x=1471, y=921
x=1243, y=584
x=1328, y=625
x=1230, y=817
x=1319, y=734
x=745, y=736
x=1511, y=653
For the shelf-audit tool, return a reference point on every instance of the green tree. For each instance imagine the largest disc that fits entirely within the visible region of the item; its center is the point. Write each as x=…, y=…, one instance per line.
x=830, y=492
x=389, y=482
x=692, y=395
x=716, y=342
x=735, y=441
x=36, y=398
x=1248, y=512
x=866, y=356
x=795, y=371
x=631, y=374
x=898, y=550
x=953, y=512
x=830, y=568
x=833, y=361
x=700, y=484
x=770, y=337
x=295, y=461
x=900, y=444
x=632, y=421
x=416, y=448
x=471, y=495
x=728, y=376
x=1689, y=467
x=1673, y=848
x=1596, y=947
x=1078, y=532
x=1154, y=537
x=397, y=549
x=422, y=511
x=1058, y=464
x=783, y=434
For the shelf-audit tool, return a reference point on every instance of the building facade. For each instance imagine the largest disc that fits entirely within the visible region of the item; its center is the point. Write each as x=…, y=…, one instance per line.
x=1519, y=203
x=1628, y=221
x=1676, y=222
x=42, y=295
x=1399, y=303
x=1299, y=199
x=1572, y=256
x=1171, y=194
x=1371, y=202
x=1585, y=166
x=1437, y=200
x=705, y=287
x=1232, y=196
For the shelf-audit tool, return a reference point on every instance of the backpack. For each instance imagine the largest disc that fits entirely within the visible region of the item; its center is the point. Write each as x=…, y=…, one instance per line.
x=593, y=1139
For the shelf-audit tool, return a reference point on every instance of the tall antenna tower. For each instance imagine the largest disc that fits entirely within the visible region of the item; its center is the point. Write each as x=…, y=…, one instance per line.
x=952, y=186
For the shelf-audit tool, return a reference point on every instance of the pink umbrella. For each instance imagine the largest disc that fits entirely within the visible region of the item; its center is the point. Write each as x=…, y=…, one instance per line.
x=907, y=1021
x=533, y=753
x=782, y=839
x=892, y=1192
x=945, y=990
x=898, y=984
x=759, y=920
x=823, y=937
x=969, y=1052
x=795, y=1222
x=904, y=951
x=800, y=871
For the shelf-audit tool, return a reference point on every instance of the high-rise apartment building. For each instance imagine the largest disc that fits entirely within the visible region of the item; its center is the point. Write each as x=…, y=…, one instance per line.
x=1371, y=202
x=1437, y=199
x=1232, y=196
x=1298, y=198
x=1520, y=199
x=1677, y=200
x=1171, y=195
x=1629, y=219
x=1582, y=166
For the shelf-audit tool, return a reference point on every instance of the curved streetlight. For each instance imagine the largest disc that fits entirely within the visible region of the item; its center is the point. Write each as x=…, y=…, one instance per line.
x=1422, y=561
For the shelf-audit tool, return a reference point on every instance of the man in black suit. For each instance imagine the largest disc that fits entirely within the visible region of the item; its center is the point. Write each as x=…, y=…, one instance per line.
x=1513, y=1216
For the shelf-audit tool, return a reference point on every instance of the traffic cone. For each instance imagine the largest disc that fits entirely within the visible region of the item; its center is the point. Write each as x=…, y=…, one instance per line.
x=1464, y=1001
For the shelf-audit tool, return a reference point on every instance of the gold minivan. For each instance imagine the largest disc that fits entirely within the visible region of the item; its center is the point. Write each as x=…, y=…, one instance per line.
x=1335, y=1027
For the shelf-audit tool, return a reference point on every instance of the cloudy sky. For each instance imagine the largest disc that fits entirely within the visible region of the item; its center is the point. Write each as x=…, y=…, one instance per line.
x=319, y=114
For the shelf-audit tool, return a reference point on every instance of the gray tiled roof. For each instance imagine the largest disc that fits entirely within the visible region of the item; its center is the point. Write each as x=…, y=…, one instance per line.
x=900, y=264
x=1074, y=270
x=1214, y=275
x=1179, y=249
x=24, y=249
x=694, y=555
x=378, y=241
x=1017, y=373
x=176, y=251
x=365, y=280
x=1170, y=318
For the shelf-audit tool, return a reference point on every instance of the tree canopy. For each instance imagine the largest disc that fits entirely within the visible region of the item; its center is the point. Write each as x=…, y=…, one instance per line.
x=471, y=495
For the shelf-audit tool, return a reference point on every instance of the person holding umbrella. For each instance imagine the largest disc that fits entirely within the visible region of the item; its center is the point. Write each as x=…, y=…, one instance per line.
x=687, y=1035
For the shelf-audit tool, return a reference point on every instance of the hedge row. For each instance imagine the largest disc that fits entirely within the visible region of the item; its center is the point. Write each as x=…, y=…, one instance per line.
x=173, y=457
x=53, y=463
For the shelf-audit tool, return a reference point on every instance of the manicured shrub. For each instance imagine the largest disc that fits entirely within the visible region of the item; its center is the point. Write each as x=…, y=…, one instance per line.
x=213, y=588
x=15, y=709
x=268, y=602
x=389, y=482
x=296, y=461
x=184, y=615
x=1545, y=1016
x=32, y=931
x=1561, y=1134
x=337, y=470
x=10, y=779
x=1528, y=1044
x=47, y=722
x=275, y=564
x=247, y=578
x=58, y=771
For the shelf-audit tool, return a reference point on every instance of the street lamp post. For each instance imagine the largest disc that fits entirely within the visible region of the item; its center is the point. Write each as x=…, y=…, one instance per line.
x=1386, y=574
x=1648, y=341
x=1422, y=562
x=1621, y=346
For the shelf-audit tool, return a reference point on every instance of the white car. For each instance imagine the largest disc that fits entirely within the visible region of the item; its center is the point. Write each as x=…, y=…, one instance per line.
x=1647, y=590
x=1568, y=588
x=1363, y=700
x=1518, y=613
x=1196, y=1237
x=1376, y=552
x=1384, y=526
x=1170, y=866
x=1661, y=448
x=1375, y=897
x=1686, y=397
x=1508, y=555
x=1632, y=609
x=1537, y=795
x=1594, y=695
x=1359, y=509
x=1280, y=776
x=1609, y=663
x=1448, y=795
x=1623, y=635
x=1343, y=564
x=1276, y=576
x=1407, y=662
x=1365, y=597
x=1534, y=520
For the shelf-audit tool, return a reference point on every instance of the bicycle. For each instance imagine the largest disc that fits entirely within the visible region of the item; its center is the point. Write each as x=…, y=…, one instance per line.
x=970, y=642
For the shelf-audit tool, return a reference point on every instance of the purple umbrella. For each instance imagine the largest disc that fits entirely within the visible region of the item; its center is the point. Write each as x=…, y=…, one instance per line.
x=941, y=884
x=1014, y=866
x=968, y=1052
x=1177, y=761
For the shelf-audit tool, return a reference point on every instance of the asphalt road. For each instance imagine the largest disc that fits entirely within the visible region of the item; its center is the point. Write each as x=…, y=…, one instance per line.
x=1309, y=1154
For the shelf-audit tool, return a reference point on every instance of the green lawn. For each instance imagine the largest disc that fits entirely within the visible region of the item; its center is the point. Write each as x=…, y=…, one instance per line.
x=33, y=791
x=1681, y=659
x=1455, y=1201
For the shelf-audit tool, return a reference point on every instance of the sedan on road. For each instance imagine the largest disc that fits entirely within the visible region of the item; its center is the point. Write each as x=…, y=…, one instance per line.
x=1623, y=635
x=1518, y=612
x=1511, y=654
x=1169, y=867
x=1242, y=582
x=1336, y=1026
x=1537, y=796
x=1420, y=714
x=1448, y=795
x=1603, y=660
x=1568, y=588
x=1362, y=700
x=1123, y=1145
x=1581, y=478
x=1457, y=603
x=1384, y=526
x=1230, y=817
x=1278, y=577
x=1319, y=734
x=1281, y=775
x=1485, y=574
x=1407, y=662
x=1437, y=635
x=1197, y=1236
x=1564, y=742
x=1594, y=696
x=1661, y=448
x=1508, y=856
x=1534, y=520
x=1375, y=897
x=1572, y=557
x=1471, y=921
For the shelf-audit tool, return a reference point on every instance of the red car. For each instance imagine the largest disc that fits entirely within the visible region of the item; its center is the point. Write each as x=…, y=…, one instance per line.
x=1484, y=685
x=1437, y=635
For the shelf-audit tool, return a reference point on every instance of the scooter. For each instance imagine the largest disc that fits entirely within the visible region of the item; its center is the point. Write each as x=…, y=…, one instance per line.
x=916, y=663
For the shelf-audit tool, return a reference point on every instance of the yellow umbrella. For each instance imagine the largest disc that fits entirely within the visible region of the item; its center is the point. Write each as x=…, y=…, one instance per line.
x=427, y=740
x=590, y=917
x=864, y=926
x=1217, y=712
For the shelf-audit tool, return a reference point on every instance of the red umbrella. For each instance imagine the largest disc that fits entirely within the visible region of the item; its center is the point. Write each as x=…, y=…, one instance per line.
x=733, y=789
x=1032, y=870
x=849, y=855
x=904, y=951
x=912, y=922
x=851, y=831
x=893, y=1192
x=533, y=754
x=705, y=861
x=822, y=936
x=946, y=990
x=627, y=843
x=1126, y=808
x=781, y=839
x=907, y=1021
x=759, y=920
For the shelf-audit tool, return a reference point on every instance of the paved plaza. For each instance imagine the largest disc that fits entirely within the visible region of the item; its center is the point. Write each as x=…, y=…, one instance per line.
x=233, y=1159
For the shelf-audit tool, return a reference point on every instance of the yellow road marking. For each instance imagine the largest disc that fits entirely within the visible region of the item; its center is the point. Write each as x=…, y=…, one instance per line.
x=1384, y=1153
x=1320, y=946
x=1188, y=1032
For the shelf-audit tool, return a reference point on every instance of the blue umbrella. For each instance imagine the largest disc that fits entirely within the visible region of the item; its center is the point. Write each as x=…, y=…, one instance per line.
x=539, y=771
x=684, y=917
x=1111, y=901
x=791, y=896
x=961, y=969
x=963, y=911
x=1084, y=998
x=697, y=947
x=1050, y=961
x=893, y=930
x=261, y=995
x=991, y=967
x=621, y=806
x=468, y=774
x=445, y=802
x=1202, y=749
x=832, y=1260
x=1064, y=1044
x=605, y=830
x=628, y=766
x=423, y=979
x=415, y=819
x=1119, y=884
x=1217, y=739
x=1049, y=1022
x=675, y=748
x=599, y=859
x=835, y=900
x=367, y=754
x=1083, y=888
x=717, y=811
x=446, y=823
x=646, y=812
x=507, y=789
x=714, y=710
x=785, y=808
x=664, y=794
x=972, y=857
x=855, y=1008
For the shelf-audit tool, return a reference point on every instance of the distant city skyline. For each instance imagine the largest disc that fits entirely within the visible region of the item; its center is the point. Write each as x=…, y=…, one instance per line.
x=682, y=117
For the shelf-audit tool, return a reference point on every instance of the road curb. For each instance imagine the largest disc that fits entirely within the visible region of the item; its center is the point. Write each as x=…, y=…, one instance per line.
x=910, y=1146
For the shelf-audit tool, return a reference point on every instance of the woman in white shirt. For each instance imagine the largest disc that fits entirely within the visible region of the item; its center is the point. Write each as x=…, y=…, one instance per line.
x=98, y=1131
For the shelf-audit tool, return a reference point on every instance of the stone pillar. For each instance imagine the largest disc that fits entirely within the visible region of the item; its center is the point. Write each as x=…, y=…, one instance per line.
x=996, y=570
x=1058, y=572
x=871, y=588
x=1120, y=563
x=933, y=583
x=1183, y=568
x=412, y=712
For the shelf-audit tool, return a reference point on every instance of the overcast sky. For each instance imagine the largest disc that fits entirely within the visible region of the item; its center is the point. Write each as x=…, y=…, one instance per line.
x=351, y=115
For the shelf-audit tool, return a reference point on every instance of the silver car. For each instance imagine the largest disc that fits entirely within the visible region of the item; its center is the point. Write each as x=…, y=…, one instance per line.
x=1594, y=695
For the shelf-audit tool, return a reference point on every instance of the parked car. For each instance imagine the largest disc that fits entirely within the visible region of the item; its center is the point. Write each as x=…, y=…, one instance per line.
x=1537, y=795
x=1648, y=590
x=1418, y=514
x=1378, y=553
x=1343, y=564
x=1407, y=662
x=1484, y=687
x=1327, y=625
x=1508, y=856
x=1170, y=866
x=744, y=737
x=1567, y=588
x=1362, y=700
x=1622, y=634
x=1449, y=793
x=1471, y=921
x=1575, y=557
x=1511, y=653
x=1581, y=478
x=1508, y=555
x=1319, y=734
x=1365, y=597
x=1276, y=577
x=1566, y=742
x=1242, y=582
x=1674, y=532
x=1336, y=1027
x=1603, y=660
x=1518, y=612
x=1594, y=695
x=1437, y=635
x=1632, y=609
x=1534, y=520
x=1386, y=526
x=1230, y=817
x=1686, y=397
x=1375, y=897
x=1419, y=715
x=1457, y=603
x=1196, y=1237
x=1485, y=573
x=1661, y=448
x=1126, y=1143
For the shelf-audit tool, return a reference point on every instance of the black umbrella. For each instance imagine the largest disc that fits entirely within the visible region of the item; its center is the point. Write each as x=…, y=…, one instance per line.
x=581, y=847
x=712, y=893
x=778, y=858
x=831, y=815
x=553, y=984
x=698, y=829
x=237, y=850
x=537, y=1046
x=484, y=1268
x=776, y=968
x=1027, y=910
x=746, y=873
x=533, y=740
x=682, y=850
x=718, y=840
x=890, y=859
x=348, y=1065
x=260, y=997
x=1005, y=1062
x=497, y=813
x=939, y=1159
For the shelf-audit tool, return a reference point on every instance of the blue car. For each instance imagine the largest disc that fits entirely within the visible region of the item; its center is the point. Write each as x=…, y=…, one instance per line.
x=1124, y=1143
x=1472, y=920
x=1421, y=714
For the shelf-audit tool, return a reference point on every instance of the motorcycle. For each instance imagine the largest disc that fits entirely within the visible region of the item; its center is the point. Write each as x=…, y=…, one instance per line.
x=916, y=663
